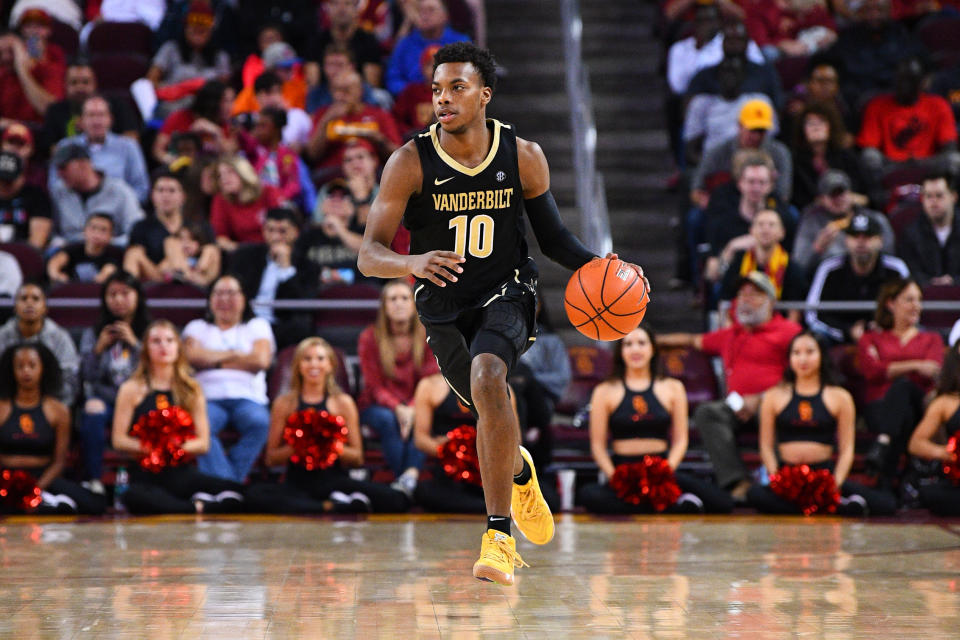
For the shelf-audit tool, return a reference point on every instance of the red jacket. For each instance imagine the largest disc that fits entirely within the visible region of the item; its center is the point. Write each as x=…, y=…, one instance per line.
x=389, y=392
x=877, y=350
x=753, y=360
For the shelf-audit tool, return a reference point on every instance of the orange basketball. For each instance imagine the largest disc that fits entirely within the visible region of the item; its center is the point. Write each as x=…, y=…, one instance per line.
x=605, y=299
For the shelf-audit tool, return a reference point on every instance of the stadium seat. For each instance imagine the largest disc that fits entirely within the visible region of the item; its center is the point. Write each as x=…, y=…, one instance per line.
x=844, y=358
x=589, y=365
x=792, y=71
x=940, y=38
x=66, y=37
x=175, y=291
x=120, y=37
x=694, y=369
x=904, y=185
x=29, y=259
x=75, y=317
x=278, y=381
x=941, y=321
x=342, y=327
x=118, y=70
x=903, y=214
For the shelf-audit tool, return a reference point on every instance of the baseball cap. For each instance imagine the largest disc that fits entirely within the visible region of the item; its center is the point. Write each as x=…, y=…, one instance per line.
x=338, y=185
x=18, y=132
x=761, y=281
x=67, y=152
x=200, y=13
x=833, y=182
x=34, y=14
x=756, y=114
x=863, y=223
x=279, y=54
x=11, y=166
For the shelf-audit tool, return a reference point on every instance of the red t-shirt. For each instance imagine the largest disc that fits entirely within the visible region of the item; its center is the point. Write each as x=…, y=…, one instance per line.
x=877, y=350
x=902, y=132
x=389, y=392
x=753, y=361
x=243, y=222
x=340, y=131
x=413, y=109
x=49, y=74
x=767, y=23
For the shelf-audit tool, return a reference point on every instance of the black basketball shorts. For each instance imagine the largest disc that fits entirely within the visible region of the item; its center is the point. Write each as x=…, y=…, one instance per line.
x=501, y=322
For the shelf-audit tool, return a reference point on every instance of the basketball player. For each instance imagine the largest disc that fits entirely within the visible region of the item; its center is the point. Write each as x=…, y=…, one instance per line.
x=461, y=188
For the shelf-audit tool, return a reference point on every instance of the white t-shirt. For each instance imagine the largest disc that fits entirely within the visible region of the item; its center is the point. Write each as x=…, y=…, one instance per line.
x=299, y=126
x=954, y=334
x=222, y=384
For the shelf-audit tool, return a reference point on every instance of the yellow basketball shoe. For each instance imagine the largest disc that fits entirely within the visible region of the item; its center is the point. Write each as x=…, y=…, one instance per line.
x=529, y=510
x=498, y=558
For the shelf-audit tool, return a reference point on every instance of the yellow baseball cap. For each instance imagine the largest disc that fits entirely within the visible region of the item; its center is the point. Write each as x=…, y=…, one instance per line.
x=756, y=114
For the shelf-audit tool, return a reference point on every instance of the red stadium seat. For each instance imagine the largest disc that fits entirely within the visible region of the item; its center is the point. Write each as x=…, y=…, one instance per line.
x=589, y=365
x=694, y=369
x=347, y=317
x=64, y=36
x=120, y=37
x=118, y=70
x=940, y=320
x=792, y=70
x=75, y=317
x=279, y=380
x=29, y=259
x=940, y=38
x=904, y=185
x=175, y=291
x=844, y=358
x=903, y=215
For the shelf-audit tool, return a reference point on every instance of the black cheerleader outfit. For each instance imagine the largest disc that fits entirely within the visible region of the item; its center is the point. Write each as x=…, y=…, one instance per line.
x=176, y=489
x=641, y=415
x=304, y=492
x=807, y=419
x=27, y=432
x=943, y=497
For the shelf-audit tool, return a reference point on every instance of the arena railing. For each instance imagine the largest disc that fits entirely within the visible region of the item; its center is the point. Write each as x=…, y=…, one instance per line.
x=850, y=305
x=200, y=303
x=591, y=195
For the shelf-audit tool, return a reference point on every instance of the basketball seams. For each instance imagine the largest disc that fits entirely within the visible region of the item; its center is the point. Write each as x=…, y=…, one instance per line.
x=605, y=314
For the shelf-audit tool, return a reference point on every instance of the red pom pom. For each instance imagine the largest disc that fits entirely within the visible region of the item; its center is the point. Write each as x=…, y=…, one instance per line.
x=162, y=433
x=812, y=491
x=951, y=468
x=18, y=491
x=649, y=481
x=317, y=438
x=458, y=455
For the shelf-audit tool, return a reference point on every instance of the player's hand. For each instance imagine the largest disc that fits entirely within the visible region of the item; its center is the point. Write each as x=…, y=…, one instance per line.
x=435, y=265
x=635, y=267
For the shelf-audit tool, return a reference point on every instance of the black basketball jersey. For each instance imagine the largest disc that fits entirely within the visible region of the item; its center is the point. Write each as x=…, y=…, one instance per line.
x=475, y=212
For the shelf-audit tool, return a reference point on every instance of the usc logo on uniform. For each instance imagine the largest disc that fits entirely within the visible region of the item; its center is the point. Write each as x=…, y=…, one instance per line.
x=805, y=411
x=640, y=405
x=163, y=402
x=26, y=424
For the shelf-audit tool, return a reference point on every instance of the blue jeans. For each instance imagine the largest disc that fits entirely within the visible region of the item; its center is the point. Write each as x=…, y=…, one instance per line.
x=251, y=420
x=92, y=431
x=400, y=454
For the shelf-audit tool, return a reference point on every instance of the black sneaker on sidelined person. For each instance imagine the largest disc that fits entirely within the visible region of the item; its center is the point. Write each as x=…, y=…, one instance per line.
x=878, y=454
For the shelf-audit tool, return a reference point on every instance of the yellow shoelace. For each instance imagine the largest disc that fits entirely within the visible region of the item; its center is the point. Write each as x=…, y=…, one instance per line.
x=530, y=506
x=500, y=547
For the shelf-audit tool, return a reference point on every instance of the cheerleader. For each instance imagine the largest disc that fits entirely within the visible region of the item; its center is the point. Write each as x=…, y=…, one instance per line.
x=943, y=497
x=800, y=421
x=162, y=380
x=640, y=412
x=35, y=428
x=313, y=386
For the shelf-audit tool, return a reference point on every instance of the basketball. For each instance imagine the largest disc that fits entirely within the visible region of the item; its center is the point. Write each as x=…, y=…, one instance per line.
x=605, y=299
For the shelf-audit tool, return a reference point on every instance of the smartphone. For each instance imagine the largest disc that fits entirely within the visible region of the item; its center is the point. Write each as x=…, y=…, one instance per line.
x=33, y=46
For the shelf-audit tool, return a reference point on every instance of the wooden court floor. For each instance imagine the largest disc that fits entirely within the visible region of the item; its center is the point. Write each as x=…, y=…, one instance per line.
x=409, y=577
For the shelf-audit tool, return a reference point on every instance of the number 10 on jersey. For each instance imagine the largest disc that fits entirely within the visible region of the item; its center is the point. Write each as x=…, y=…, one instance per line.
x=479, y=234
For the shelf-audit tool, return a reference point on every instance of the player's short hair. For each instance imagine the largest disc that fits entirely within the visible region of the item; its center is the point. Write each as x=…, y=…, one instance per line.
x=481, y=59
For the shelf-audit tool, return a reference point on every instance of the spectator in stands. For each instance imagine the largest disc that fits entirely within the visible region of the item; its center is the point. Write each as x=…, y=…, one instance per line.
x=819, y=233
x=268, y=89
x=62, y=119
x=901, y=365
x=733, y=207
x=908, y=125
x=92, y=260
x=271, y=270
x=394, y=357
x=345, y=30
x=31, y=69
x=337, y=59
x=820, y=143
x=755, y=123
x=280, y=59
x=275, y=163
x=784, y=28
x=930, y=245
x=11, y=277
x=941, y=417
x=754, y=354
x=35, y=429
x=761, y=251
x=31, y=324
x=433, y=27
x=413, y=110
x=240, y=204
x=192, y=255
x=821, y=86
x=231, y=351
x=115, y=155
x=146, y=250
x=642, y=413
x=24, y=209
x=713, y=119
x=253, y=67
x=349, y=118
x=954, y=337
x=870, y=50
x=18, y=140
x=803, y=420
x=857, y=275
x=208, y=117
x=162, y=380
x=332, y=245
x=313, y=386
x=360, y=173
x=946, y=84
x=436, y=412
x=84, y=190
x=109, y=351
x=191, y=57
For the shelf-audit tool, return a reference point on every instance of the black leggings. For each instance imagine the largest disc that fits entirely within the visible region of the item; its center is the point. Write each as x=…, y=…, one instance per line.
x=171, y=490
x=879, y=503
x=87, y=502
x=941, y=498
x=303, y=491
x=600, y=498
x=442, y=494
x=896, y=414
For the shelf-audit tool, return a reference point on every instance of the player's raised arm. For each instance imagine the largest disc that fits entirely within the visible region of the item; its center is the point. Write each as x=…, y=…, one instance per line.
x=401, y=179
